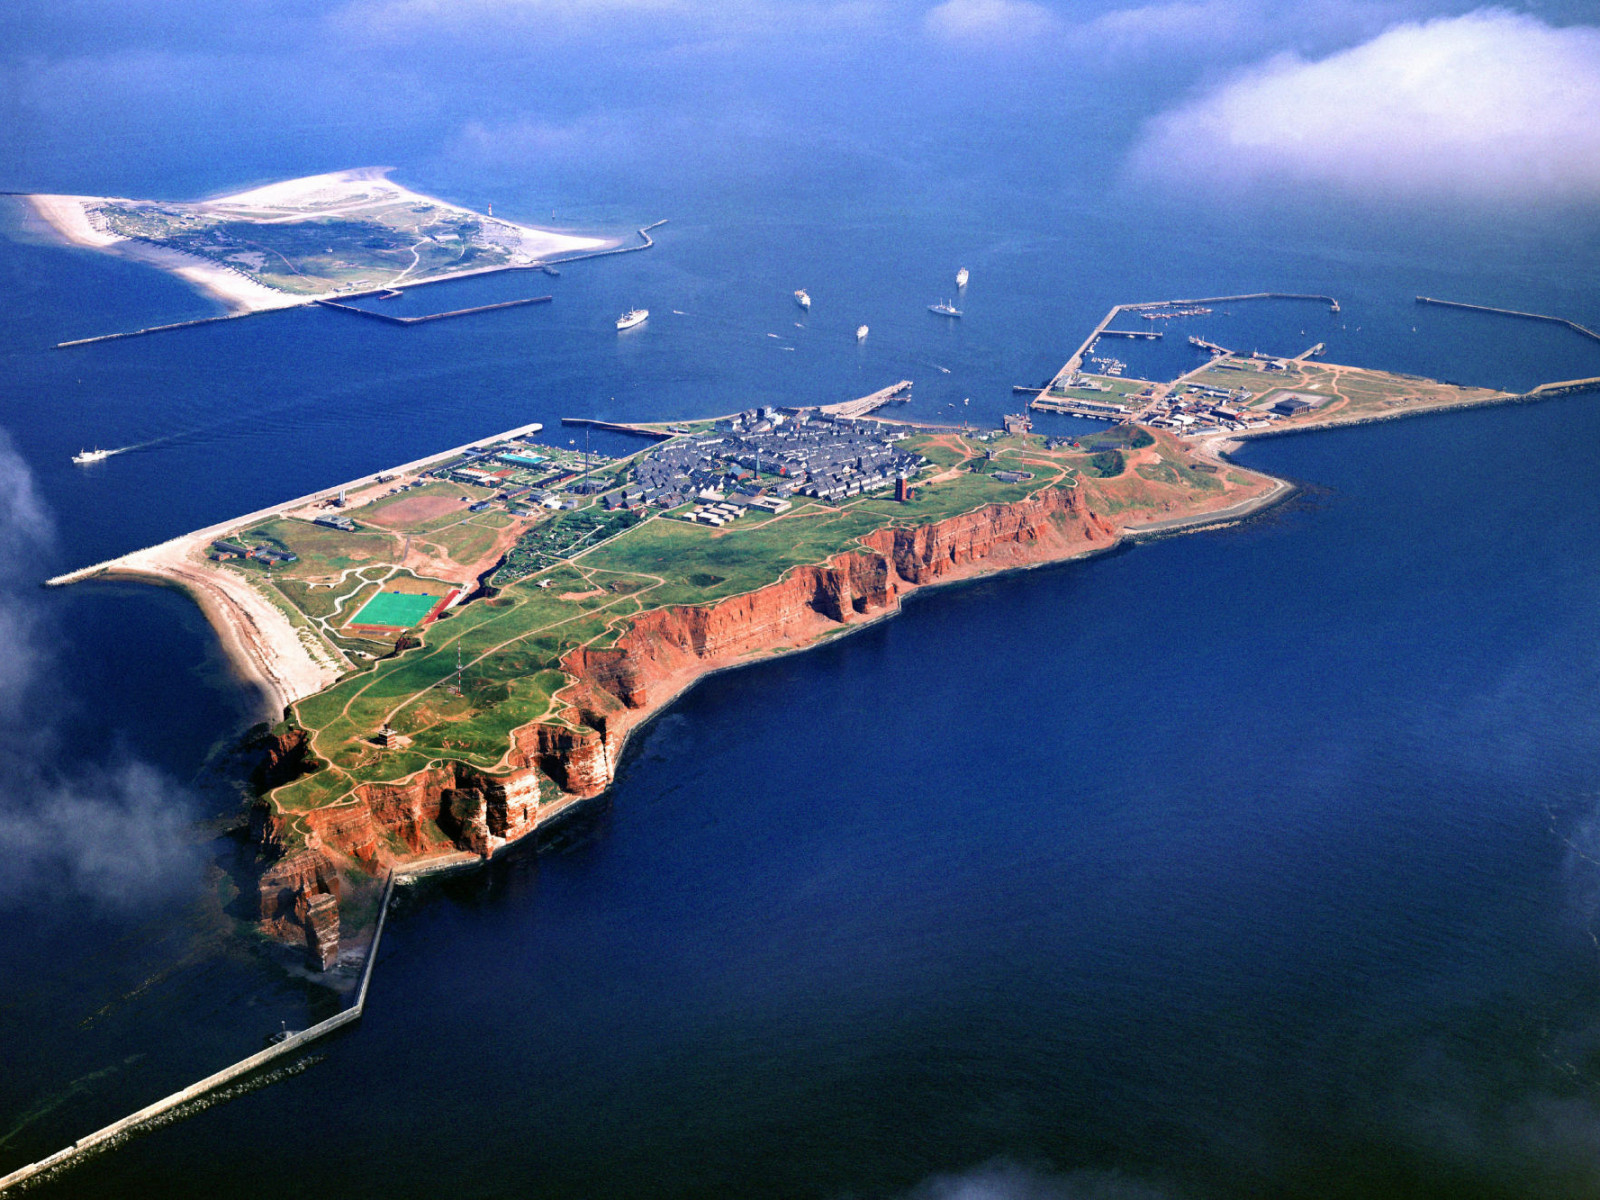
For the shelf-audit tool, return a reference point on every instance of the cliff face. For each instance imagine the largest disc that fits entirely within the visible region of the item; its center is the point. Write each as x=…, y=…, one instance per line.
x=455, y=807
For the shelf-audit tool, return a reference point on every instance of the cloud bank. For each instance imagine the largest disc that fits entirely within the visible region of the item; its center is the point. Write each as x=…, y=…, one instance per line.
x=1490, y=107
x=989, y=23
x=114, y=834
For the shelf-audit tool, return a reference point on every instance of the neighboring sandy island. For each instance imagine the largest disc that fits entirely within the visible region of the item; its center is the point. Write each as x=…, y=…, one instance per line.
x=301, y=240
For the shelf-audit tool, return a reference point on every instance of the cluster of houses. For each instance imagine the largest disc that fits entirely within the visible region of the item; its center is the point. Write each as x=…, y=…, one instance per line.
x=268, y=556
x=524, y=480
x=810, y=453
x=1200, y=408
x=716, y=509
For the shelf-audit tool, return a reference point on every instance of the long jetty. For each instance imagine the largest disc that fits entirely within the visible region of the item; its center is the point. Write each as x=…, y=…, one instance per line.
x=861, y=407
x=278, y=510
x=108, y=1136
x=390, y=293
x=455, y=312
x=620, y=427
x=1512, y=312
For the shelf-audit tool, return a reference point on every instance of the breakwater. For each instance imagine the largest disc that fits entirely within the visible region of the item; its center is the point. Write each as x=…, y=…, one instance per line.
x=111, y=337
x=454, y=312
x=111, y=1135
x=1103, y=329
x=390, y=293
x=619, y=427
x=1584, y=330
x=278, y=510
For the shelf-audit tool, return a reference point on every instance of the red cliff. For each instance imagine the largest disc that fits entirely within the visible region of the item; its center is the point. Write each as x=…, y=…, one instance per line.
x=451, y=807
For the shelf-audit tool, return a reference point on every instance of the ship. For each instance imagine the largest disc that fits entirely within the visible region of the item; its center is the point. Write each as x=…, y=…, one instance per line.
x=802, y=299
x=861, y=333
x=91, y=456
x=634, y=316
x=961, y=278
x=945, y=309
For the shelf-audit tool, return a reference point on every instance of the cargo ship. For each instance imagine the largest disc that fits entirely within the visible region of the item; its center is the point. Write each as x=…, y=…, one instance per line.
x=634, y=316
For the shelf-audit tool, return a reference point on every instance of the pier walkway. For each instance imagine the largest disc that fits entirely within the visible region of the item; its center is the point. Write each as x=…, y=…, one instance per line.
x=108, y=1137
x=861, y=407
x=278, y=510
x=648, y=431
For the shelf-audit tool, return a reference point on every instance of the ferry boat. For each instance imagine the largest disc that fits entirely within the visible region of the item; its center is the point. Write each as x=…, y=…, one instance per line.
x=802, y=299
x=91, y=456
x=945, y=309
x=634, y=316
x=961, y=278
x=861, y=333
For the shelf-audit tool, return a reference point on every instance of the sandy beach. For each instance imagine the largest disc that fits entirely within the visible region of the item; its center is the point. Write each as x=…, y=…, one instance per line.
x=68, y=216
x=311, y=197
x=258, y=639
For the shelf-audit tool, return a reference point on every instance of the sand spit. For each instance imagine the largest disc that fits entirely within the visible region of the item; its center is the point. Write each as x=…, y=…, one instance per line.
x=69, y=217
x=258, y=638
x=349, y=194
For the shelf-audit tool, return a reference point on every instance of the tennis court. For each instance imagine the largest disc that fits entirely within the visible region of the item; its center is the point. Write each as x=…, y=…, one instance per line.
x=395, y=610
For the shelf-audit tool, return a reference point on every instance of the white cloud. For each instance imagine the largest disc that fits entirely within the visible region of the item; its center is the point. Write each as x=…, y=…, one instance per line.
x=1216, y=30
x=990, y=22
x=114, y=834
x=1491, y=106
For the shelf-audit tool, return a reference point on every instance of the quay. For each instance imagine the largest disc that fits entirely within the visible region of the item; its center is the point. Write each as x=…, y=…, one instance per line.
x=455, y=312
x=1081, y=408
x=1512, y=312
x=108, y=1136
x=620, y=427
x=1075, y=363
x=859, y=408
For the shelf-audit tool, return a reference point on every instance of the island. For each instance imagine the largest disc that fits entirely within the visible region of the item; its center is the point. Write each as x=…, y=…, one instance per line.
x=299, y=241
x=457, y=649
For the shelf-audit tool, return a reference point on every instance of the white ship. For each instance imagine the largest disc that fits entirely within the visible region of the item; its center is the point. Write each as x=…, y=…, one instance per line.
x=803, y=300
x=961, y=278
x=91, y=456
x=634, y=316
x=861, y=333
x=945, y=309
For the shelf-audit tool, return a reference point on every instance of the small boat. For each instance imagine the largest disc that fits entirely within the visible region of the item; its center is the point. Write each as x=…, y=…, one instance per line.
x=803, y=300
x=861, y=333
x=945, y=309
x=634, y=316
x=91, y=456
x=961, y=278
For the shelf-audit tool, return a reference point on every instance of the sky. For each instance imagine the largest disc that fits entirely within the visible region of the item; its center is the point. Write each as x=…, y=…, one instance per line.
x=1431, y=101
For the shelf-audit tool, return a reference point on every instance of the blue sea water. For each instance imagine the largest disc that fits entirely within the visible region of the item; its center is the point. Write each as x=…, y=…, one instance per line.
x=1258, y=862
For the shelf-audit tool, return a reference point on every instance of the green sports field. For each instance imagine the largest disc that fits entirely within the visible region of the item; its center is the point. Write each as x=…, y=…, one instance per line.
x=397, y=610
